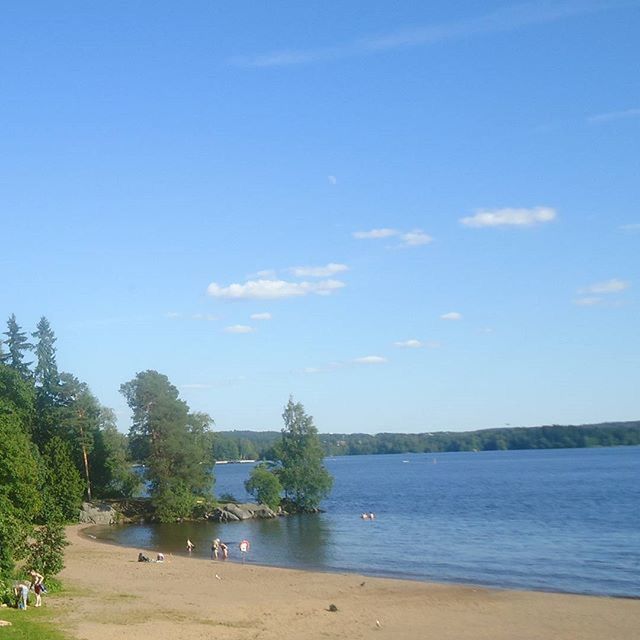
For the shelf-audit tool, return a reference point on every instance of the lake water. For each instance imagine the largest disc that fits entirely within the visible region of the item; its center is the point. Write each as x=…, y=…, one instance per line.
x=558, y=520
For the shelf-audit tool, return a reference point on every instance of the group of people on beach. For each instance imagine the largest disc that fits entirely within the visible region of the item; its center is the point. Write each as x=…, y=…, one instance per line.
x=34, y=583
x=219, y=551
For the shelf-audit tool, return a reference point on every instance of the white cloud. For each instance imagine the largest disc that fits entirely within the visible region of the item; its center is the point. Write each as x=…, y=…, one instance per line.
x=318, y=272
x=370, y=360
x=510, y=217
x=239, y=328
x=588, y=301
x=452, y=315
x=375, y=234
x=415, y=238
x=601, y=118
x=332, y=179
x=272, y=289
x=264, y=274
x=610, y=286
x=502, y=20
x=261, y=316
x=409, y=344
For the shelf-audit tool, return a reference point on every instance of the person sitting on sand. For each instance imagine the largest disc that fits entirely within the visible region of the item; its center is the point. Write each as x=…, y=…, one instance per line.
x=160, y=557
x=142, y=557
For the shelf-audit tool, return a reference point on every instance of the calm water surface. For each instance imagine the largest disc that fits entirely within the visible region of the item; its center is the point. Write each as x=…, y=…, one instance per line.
x=560, y=520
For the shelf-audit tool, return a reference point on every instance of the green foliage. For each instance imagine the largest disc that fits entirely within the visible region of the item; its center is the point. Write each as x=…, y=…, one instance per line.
x=17, y=344
x=173, y=500
x=172, y=443
x=264, y=486
x=228, y=497
x=302, y=475
x=63, y=486
x=46, y=552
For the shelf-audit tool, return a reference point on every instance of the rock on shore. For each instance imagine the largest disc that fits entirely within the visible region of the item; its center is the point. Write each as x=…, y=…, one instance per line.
x=232, y=512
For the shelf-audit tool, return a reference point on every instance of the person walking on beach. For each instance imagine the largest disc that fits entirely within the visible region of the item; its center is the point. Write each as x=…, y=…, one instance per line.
x=190, y=546
x=37, y=585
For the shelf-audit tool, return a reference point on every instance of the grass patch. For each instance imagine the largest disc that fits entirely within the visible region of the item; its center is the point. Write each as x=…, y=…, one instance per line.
x=32, y=624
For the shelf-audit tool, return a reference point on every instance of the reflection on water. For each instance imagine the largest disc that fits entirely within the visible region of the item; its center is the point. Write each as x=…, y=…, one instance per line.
x=295, y=541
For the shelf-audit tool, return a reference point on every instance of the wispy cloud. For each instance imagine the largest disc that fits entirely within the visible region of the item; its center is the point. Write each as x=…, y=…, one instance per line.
x=370, y=360
x=510, y=217
x=601, y=118
x=176, y=315
x=504, y=19
x=332, y=179
x=375, y=234
x=588, y=301
x=261, y=316
x=239, y=328
x=318, y=272
x=631, y=228
x=273, y=289
x=452, y=315
x=409, y=344
x=609, y=286
x=414, y=238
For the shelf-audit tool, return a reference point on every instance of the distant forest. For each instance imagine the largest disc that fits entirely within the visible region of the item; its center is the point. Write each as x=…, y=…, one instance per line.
x=245, y=445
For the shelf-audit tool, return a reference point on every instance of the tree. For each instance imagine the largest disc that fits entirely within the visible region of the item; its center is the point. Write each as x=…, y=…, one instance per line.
x=264, y=486
x=47, y=380
x=20, y=499
x=168, y=440
x=299, y=457
x=63, y=485
x=17, y=344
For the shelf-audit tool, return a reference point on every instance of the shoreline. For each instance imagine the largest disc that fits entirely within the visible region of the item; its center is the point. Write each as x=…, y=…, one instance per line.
x=109, y=594
x=83, y=531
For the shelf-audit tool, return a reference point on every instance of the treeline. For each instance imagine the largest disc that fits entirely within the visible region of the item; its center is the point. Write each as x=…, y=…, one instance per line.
x=57, y=445
x=608, y=434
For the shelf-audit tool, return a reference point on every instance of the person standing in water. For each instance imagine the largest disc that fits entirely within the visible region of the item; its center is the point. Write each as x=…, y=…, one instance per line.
x=190, y=546
x=215, y=548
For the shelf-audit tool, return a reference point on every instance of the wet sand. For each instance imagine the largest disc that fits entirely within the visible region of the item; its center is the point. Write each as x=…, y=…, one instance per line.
x=110, y=595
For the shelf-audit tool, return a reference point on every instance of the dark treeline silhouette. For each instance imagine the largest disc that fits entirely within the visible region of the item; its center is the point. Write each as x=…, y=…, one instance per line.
x=258, y=444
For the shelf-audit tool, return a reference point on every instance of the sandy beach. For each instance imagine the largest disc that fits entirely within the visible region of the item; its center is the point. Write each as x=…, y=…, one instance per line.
x=110, y=595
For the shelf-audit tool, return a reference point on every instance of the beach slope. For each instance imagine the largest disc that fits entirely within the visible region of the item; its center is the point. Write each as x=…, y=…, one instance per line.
x=110, y=595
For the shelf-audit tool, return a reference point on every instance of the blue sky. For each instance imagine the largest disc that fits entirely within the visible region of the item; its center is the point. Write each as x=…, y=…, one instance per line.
x=411, y=216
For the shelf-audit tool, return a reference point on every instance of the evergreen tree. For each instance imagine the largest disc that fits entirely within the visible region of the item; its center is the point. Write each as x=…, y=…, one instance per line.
x=47, y=380
x=16, y=344
x=299, y=455
x=168, y=440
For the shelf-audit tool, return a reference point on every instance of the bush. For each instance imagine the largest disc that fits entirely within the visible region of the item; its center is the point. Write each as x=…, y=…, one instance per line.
x=264, y=486
x=46, y=553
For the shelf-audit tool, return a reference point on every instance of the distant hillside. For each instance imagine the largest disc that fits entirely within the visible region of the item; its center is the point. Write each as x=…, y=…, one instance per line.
x=233, y=445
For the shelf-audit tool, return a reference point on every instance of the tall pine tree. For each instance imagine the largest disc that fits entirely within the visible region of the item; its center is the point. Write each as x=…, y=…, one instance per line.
x=16, y=345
